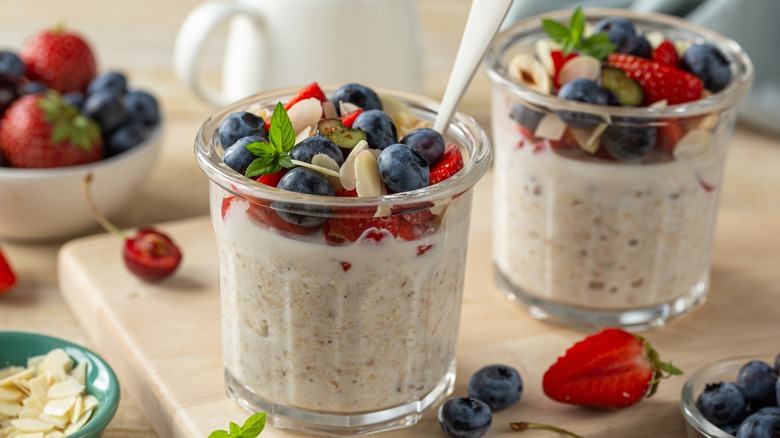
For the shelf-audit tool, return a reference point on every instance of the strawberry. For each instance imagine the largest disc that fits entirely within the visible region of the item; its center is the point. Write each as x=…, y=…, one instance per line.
x=349, y=119
x=60, y=59
x=228, y=202
x=669, y=134
x=449, y=164
x=659, y=81
x=350, y=228
x=272, y=179
x=559, y=59
x=611, y=369
x=307, y=92
x=43, y=131
x=7, y=276
x=268, y=216
x=666, y=54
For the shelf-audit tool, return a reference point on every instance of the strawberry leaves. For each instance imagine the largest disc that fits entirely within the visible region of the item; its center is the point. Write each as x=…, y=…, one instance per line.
x=274, y=155
x=67, y=123
x=570, y=38
x=251, y=428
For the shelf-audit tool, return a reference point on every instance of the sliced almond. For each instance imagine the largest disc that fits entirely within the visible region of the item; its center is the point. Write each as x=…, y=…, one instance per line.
x=59, y=407
x=77, y=409
x=696, y=143
x=54, y=434
x=10, y=394
x=90, y=402
x=74, y=427
x=708, y=122
x=550, y=127
x=323, y=170
x=305, y=113
x=329, y=110
x=27, y=425
x=528, y=71
x=544, y=53
x=589, y=139
x=439, y=209
x=80, y=373
x=583, y=66
x=10, y=409
x=9, y=371
x=303, y=135
x=24, y=374
x=325, y=161
x=655, y=38
x=347, y=107
x=67, y=388
x=402, y=115
x=663, y=103
x=367, y=179
x=682, y=46
x=347, y=171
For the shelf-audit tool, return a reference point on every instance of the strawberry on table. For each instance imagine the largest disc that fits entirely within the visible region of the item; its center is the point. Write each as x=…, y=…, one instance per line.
x=43, y=131
x=449, y=164
x=307, y=92
x=7, y=276
x=659, y=82
x=61, y=59
x=611, y=369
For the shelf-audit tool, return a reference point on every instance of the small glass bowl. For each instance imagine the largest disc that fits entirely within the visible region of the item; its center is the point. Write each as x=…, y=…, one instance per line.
x=721, y=371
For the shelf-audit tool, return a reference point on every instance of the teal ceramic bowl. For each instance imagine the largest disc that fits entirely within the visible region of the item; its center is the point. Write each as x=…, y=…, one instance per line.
x=16, y=347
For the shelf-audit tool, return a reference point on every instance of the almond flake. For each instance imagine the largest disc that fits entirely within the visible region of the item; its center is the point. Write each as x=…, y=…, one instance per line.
x=10, y=394
x=550, y=127
x=10, y=409
x=305, y=113
x=588, y=139
x=367, y=179
x=80, y=373
x=21, y=375
x=708, y=122
x=347, y=171
x=347, y=107
x=59, y=407
x=663, y=103
x=329, y=110
x=528, y=71
x=582, y=66
x=303, y=135
x=322, y=170
x=54, y=434
x=544, y=53
x=67, y=388
x=90, y=402
x=27, y=425
x=655, y=38
x=696, y=143
x=403, y=117
x=77, y=410
x=327, y=162
x=73, y=427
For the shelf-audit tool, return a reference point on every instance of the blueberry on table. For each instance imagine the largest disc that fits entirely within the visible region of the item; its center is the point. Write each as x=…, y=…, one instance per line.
x=106, y=109
x=427, y=142
x=303, y=180
x=621, y=32
x=379, y=128
x=629, y=142
x=126, y=137
x=112, y=82
x=238, y=157
x=403, y=169
x=239, y=125
x=465, y=417
x=758, y=379
x=142, y=106
x=309, y=147
x=526, y=117
x=707, y=63
x=764, y=424
x=586, y=91
x=723, y=403
x=11, y=65
x=356, y=94
x=500, y=386
x=75, y=98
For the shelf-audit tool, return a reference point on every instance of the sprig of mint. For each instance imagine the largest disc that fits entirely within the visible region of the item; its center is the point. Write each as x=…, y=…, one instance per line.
x=597, y=45
x=275, y=154
x=251, y=428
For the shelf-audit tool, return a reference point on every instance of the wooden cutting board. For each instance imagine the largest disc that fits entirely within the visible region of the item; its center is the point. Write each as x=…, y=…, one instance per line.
x=163, y=340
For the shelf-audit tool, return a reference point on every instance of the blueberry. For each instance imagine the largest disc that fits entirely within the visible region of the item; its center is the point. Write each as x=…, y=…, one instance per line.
x=777, y=363
x=777, y=391
x=723, y=403
x=643, y=49
x=113, y=82
x=357, y=94
x=760, y=425
x=629, y=142
x=309, y=147
x=142, y=106
x=239, y=125
x=730, y=429
x=707, y=63
x=403, y=169
x=33, y=87
x=303, y=180
x=75, y=98
x=379, y=128
x=11, y=65
x=527, y=117
x=620, y=31
x=500, y=386
x=465, y=417
x=106, y=109
x=126, y=137
x=426, y=142
x=9, y=92
x=586, y=91
x=758, y=380
x=238, y=157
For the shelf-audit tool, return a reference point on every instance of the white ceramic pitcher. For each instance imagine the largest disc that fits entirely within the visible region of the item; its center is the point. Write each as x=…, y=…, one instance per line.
x=280, y=43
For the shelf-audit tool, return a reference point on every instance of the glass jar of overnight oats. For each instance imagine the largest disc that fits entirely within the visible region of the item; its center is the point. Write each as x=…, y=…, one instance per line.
x=331, y=330
x=588, y=230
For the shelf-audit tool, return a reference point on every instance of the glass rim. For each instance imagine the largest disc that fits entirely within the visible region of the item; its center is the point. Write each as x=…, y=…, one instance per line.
x=462, y=127
x=742, y=67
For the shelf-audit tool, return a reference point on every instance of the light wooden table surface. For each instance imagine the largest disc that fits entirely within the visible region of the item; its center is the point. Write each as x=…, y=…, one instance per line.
x=138, y=37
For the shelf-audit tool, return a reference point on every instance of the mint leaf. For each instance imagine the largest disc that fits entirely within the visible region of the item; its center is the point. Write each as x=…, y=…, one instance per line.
x=219, y=434
x=558, y=32
x=254, y=425
x=259, y=147
x=577, y=25
x=258, y=167
x=235, y=430
x=286, y=161
x=281, y=135
x=598, y=46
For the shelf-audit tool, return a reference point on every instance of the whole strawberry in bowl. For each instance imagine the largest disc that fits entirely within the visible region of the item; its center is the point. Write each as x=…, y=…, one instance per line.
x=60, y=119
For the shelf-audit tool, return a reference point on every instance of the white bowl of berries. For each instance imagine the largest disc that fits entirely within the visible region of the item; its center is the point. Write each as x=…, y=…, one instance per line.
x=62, y=120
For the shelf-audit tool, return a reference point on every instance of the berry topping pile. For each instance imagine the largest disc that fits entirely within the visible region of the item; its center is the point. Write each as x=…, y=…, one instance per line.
x=615, y=64
x=747, y=408
x=58, y=111
x=355, y=144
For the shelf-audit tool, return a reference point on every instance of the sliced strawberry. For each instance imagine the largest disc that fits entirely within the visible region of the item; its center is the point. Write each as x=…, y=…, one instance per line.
x=7, y=276
x=349, y=119
x=611, y=369
x=422, y=249
x=228, y=202
x=659, y=82
x=411, y=231
x=351, y=228
x=268, y=216
x=346, y=266
x=344, y=193
x=272, y=179
x=307, y=92
x=559, y=59
x=669, y=135
x=666, y=54
x=449, y=164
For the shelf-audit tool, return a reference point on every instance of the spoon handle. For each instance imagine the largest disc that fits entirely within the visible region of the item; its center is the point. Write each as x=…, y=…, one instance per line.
x=482, y=25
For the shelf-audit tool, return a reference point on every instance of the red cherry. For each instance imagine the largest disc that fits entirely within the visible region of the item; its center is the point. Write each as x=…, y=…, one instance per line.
x=151, y=255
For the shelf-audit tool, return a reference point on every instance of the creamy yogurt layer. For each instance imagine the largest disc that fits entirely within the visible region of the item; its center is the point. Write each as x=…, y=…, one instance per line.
x=359, y=327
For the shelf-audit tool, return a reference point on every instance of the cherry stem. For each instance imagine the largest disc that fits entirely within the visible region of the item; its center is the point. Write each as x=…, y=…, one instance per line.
x=85, y=187
x=523, y=426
